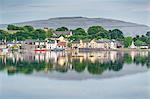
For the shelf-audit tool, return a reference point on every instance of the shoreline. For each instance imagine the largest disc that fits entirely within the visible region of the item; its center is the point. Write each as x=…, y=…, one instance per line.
x=121, y=49
x=129, y=49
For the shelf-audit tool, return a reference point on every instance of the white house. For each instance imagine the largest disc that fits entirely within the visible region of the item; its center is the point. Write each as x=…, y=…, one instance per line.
x=2, y=45
x=113, y=44
x=144, y=46
x=51, y=45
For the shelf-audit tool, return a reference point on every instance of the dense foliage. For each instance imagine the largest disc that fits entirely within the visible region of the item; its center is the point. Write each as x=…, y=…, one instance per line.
x=62, y=29
x=127, y=41
x=23, y=33
x=142, y=40
x=93, y=32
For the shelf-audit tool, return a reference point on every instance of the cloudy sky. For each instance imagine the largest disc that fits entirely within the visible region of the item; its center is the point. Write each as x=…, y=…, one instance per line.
x=12, y=11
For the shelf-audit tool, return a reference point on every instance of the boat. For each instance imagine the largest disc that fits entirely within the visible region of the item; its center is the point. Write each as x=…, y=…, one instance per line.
x=40, y=50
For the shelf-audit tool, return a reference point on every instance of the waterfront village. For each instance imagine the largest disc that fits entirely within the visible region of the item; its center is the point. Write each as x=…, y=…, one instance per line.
x=60, y=41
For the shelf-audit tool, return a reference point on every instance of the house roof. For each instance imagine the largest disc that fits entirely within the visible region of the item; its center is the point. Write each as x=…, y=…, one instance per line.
x=76, y=41
x=54, y=36
x=62, y=32
x=51, y=42
x=144, y=45
x=103, y=41
x=61, y=44
x=106, y=41
x=29, y=41
x=86, y=41
x=33, y=41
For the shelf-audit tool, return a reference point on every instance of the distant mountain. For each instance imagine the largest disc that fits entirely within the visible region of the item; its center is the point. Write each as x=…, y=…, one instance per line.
x=74, y=22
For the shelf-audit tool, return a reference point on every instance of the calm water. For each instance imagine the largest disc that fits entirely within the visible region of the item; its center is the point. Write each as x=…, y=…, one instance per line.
x=75, y=75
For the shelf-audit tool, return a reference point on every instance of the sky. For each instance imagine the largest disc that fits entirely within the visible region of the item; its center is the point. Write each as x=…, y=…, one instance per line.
x=14, y=11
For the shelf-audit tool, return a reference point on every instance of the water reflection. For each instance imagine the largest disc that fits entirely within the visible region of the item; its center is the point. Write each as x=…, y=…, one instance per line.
x=94, y=63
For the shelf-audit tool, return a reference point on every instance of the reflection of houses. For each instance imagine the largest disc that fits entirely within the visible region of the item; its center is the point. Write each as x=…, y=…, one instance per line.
x=61, y=61
x=144, y=53
x=102, y=56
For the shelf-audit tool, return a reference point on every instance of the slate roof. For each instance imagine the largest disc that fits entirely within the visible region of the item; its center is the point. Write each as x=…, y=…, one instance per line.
x=62, y=32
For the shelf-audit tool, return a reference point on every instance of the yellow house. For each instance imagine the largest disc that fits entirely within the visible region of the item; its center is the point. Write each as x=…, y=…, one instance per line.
x=62, y=39
x=99, y=44
x=93, y=44
x=102, y=44
x=58, y=39
x=84, y=43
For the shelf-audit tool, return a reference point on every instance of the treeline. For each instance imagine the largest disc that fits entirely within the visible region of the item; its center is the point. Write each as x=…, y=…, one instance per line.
x=93, y=32
x=23, y=33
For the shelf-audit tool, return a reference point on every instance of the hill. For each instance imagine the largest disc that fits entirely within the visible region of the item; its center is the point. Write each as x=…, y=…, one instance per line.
x=128, y=28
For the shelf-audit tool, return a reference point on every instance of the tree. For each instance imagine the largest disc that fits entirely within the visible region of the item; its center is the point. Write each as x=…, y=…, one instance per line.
x=78, y=34
x=73, y=38
x=39, y=34
x=136, y=38
x=148, y=33
x=103, y=34
x=3, y=34
x=79, y=31
x=22, y=35
x=127, y=41
x=139, y=42
x=13, y=27
x=116, y=34
x=62, y=29
x=49, y=33
x=148, y=40
x=28, y=28
x=11, y=37
x=96, y=31
x=143, y=38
